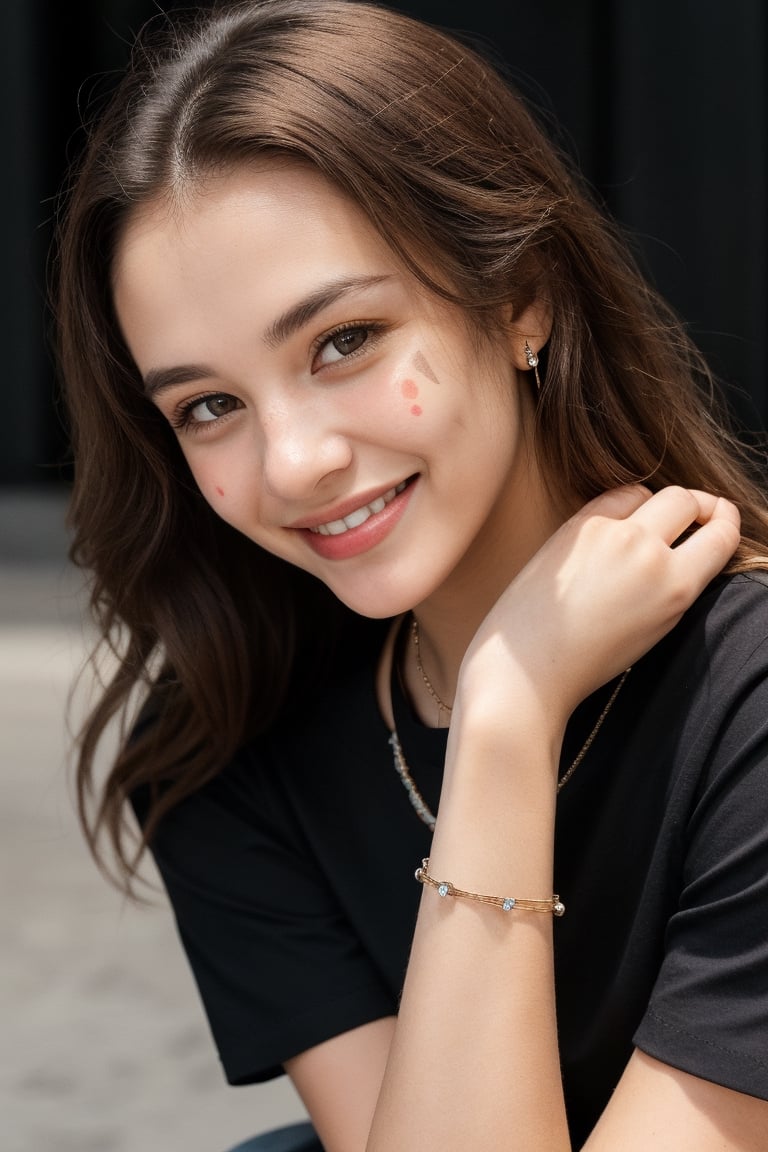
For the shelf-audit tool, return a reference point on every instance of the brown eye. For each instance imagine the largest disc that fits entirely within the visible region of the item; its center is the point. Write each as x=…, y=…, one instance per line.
x=341, y=344
x=350, y=341
x=212, y=407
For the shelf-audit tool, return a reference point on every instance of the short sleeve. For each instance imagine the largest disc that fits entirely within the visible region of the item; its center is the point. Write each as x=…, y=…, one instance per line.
x=278, y=967
x=708, y=1013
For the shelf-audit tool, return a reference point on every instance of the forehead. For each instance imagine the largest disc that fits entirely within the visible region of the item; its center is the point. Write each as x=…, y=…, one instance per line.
x=237, y=249
x=262, y=204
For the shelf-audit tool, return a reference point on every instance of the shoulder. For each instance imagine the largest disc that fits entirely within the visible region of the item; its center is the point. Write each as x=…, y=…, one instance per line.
x=686, y=688
x=725, y=632
x=705, y=685
x=708, y=1013
x=747, y=588
x=733, y=596
x=249, y=792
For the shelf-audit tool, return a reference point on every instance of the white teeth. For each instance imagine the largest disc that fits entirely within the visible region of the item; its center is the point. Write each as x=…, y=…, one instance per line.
x=360, y=515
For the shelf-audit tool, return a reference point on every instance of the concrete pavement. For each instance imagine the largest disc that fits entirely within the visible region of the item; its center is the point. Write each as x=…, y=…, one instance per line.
x=103, y=1042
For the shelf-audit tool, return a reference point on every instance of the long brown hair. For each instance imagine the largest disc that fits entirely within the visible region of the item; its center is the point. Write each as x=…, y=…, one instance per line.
x=455, y=172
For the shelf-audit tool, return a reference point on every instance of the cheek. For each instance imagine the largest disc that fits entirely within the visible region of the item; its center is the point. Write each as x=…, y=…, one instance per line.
x=409, y=390
x=220, y=482
x=219, y=496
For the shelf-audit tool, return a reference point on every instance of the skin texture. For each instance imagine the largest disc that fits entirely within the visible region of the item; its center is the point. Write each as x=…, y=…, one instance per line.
x=299, y=424
x=308, y=429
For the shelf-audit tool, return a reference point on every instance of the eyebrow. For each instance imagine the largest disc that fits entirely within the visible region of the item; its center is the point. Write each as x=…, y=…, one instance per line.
x=300, y=314
x=291, y=321
x=158, y=380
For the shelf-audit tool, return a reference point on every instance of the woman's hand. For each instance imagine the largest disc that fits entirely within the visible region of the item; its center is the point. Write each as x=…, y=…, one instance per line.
x=606, y=587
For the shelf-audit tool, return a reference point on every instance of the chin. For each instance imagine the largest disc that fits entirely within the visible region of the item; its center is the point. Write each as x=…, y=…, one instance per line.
x=382, y=608
x=385, y=597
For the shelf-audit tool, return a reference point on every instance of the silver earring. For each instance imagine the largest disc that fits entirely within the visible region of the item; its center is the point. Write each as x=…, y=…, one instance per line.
x=533, y=362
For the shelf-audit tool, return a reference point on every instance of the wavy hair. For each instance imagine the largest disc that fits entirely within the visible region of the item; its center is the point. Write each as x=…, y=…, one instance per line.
x=453, y=169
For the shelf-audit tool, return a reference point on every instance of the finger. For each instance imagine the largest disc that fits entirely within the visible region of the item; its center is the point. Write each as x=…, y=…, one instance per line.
x=715, y=507
x=617, y=503
x=669, y=512
x=709, y=548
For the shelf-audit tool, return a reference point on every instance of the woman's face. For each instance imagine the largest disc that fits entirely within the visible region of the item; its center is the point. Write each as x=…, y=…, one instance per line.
x=328, y=407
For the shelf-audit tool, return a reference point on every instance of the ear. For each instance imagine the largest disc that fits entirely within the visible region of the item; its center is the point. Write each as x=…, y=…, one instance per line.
x=531, y=325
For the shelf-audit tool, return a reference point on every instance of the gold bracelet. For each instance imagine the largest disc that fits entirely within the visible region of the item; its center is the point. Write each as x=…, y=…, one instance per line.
x=506, y=903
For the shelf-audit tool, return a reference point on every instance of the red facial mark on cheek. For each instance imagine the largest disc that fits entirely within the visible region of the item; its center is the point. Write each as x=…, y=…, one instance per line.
x=410, y=391
x=219, y=490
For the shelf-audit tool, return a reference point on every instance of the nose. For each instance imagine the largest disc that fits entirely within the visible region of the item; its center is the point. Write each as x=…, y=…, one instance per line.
x=301, y=449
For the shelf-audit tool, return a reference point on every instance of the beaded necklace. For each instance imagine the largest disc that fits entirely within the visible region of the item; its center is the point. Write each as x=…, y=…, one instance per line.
x=418, y=802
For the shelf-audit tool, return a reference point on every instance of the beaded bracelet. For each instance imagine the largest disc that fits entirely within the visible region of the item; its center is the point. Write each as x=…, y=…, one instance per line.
x=506, y=903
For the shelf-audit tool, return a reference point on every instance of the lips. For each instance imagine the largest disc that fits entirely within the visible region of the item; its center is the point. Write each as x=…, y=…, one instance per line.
x=362, y=526
x=359, y=515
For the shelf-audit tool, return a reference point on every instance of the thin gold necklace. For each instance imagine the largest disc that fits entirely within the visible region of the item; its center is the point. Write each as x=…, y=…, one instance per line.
x=441, y=706
x=419, y=803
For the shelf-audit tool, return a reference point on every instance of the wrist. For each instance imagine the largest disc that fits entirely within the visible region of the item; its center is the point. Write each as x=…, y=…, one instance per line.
x=521, y=735
x=510, y=692
x=497, y=805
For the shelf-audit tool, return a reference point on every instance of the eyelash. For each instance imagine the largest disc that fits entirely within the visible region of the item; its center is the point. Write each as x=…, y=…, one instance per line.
x=181, y=418
x=374, y=329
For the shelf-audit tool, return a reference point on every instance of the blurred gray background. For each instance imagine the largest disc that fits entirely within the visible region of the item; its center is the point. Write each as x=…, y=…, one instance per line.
x=103, y=1044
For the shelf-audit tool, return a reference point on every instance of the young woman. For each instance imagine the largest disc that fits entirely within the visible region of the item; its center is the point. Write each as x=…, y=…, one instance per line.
x=417, y=540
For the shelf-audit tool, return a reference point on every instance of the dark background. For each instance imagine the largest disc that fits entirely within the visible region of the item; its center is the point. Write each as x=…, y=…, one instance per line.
x=663, y=102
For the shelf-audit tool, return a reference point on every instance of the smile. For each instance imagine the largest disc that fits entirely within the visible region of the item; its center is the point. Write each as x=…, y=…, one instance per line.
x=360, y=515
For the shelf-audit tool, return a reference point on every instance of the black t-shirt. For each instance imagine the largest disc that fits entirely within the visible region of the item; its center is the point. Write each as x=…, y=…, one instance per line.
x=291, y=874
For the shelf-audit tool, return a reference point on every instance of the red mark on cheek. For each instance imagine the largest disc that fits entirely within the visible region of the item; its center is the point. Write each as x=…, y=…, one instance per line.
x=219, y=490
x=410, y=391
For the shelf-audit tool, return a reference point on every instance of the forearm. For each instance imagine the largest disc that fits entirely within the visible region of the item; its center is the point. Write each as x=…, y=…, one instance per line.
x=474, y=1061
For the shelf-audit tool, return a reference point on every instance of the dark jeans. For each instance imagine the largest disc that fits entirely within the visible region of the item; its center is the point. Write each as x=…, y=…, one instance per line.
x=293, y=1138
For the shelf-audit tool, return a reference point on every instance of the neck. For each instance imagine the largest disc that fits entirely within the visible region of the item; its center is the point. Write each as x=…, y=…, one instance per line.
x=449, y=618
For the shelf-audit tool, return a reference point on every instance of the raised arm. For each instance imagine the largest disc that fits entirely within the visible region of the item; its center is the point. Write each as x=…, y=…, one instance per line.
x=474, y=1059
